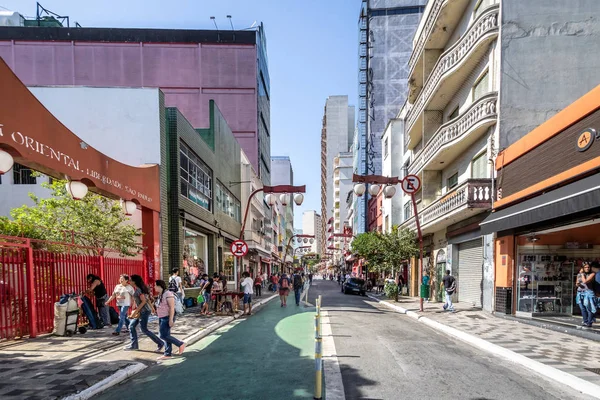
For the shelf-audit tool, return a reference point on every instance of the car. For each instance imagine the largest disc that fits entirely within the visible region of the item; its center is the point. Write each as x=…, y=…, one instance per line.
x=354, y=285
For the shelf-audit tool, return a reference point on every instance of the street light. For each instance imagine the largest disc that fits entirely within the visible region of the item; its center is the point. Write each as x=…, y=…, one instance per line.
x=6, y=162
x=76, y=189
x=374, y=190
x=360, y=189
x=298, y=198
x=389, y=191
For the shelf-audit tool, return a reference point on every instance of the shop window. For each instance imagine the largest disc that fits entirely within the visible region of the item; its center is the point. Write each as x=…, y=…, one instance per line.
x=227, y=203
x=481, y=87
x=195, y=178
x=452, y=182
x=479, y=167
x=195, y=254
x=23, y=175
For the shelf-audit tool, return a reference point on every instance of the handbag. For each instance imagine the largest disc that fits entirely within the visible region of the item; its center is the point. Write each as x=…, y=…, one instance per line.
x=200, y=299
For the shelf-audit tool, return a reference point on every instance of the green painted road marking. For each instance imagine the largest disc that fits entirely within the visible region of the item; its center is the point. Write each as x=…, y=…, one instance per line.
x=267, y=356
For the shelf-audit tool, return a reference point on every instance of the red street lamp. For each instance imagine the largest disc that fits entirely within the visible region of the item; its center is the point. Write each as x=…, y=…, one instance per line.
x=307, y=238
x=410, y=185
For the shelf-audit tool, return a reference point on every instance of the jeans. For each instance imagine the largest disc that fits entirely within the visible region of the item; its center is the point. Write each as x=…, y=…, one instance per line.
x=587, y=304
x=165, y=335
x=257, y=290
x=122, y=318
x=143, y=322
x=274, y=287
x=448, y=306
x=103, y=309
x=298, y=292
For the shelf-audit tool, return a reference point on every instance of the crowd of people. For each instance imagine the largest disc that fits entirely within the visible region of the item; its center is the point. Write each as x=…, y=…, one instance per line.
x=136, y=302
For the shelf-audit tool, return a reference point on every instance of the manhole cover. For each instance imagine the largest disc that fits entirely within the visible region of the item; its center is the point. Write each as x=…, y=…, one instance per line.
x=594, y=370
x=475, y=316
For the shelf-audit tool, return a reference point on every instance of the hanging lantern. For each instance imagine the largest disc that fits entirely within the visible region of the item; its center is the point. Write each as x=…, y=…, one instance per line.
x=374, y=190
x=76, y=189
x=298, y=198
x=284, y=199
x=305, y=240
x=6, y=162
x=270, y=199
x=130, y=207
x=359, y=189
x=312, y=241
x=389, y=191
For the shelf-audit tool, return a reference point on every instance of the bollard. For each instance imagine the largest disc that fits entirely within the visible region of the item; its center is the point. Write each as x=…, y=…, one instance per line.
x=318, y=359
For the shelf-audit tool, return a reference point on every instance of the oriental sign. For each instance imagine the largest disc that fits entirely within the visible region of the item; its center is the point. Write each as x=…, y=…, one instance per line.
x=36, y=139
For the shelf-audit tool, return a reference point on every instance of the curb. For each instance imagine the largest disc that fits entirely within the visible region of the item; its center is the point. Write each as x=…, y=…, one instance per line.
x=334, y=385
x=134, y=369
x=547, y=371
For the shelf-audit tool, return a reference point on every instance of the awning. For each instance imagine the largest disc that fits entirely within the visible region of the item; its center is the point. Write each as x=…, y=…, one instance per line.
x=574, y=198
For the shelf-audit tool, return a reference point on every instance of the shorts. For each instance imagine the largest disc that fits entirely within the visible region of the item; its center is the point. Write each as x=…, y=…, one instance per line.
x=284, y=292
x=247, y=298
x=207, y=299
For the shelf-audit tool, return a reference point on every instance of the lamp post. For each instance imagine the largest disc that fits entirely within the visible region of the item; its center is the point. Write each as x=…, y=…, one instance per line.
x=410, y=185
x=306, y=238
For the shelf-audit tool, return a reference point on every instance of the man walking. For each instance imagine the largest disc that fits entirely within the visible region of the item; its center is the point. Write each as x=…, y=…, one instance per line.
x=298, y=285
x=449, y=284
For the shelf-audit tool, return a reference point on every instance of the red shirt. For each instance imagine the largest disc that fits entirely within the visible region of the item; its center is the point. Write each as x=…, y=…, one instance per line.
x=274, y=279
x=257, y=281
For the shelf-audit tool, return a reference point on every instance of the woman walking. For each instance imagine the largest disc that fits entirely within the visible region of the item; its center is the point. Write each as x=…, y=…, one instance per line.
x=123, y=293
x=143, y=309
x=585, y=295
x=284, y=289
x=165, y=310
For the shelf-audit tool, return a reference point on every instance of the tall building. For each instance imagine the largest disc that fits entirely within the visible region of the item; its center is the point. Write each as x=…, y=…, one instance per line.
x=386, y=30
x=282, y=173
x=190, y=67
x=336, y=137
x=342, y=188
x=311, y=225
x=478, y=83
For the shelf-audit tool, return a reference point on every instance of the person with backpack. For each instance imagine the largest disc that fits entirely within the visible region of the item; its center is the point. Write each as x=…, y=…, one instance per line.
x=141, y=314
x=176, y=284
x=449, y=284
x=165, y=310
x=284, y=289
x=298, y=286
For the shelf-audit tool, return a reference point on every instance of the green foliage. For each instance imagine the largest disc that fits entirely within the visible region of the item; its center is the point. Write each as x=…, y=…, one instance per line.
x=95, y=221
x=382, y=251
x=391, y=290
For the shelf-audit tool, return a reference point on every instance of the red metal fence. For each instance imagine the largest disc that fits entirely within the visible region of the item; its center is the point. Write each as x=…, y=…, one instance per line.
x=47, y=275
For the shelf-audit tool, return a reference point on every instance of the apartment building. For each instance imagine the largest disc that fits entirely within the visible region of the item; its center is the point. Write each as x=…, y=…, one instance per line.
x=482, y=74
x=311, y=225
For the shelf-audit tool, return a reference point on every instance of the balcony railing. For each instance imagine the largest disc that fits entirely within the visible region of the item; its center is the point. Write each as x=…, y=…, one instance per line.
x=473, y=193
x=430, y=23
x=484, y=26
x=480, y=112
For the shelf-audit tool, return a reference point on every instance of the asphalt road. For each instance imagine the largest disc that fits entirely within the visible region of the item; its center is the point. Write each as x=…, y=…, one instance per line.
x=386, y=355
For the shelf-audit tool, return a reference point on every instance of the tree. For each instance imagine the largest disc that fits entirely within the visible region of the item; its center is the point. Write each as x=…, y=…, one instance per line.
x=370, y=246
x=95, y=221
x=383, y=251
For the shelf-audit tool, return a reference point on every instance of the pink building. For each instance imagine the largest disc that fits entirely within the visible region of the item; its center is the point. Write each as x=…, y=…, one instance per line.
x=191, y=67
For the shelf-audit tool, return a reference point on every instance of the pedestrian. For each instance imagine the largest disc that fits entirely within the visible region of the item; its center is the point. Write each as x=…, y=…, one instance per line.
x=401, y=283
x=176, y=285
x=96, y=286
x=380, y=284
x=258, y=286
x=123, y=293
x=585, y=295
x=248, y=286
x=206, y=293
x=284, y=289
x=298, y=285
x=449, y=284
x=216, y=291
x=265, y=279
x=223, y=280
x=310, y=276
x=274, y=281
x=165, y=310
x=143, y=309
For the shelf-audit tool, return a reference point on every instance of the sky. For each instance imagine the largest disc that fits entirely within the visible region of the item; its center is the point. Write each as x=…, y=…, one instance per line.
x=312, y=48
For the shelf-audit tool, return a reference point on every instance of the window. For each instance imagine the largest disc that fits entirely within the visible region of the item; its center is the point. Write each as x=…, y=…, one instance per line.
x=227, y=203
x=408, y=211
x=452, y=181
x=453, y=114
x=478, y=167
x=195, y=178
x=23, y=175
x=481, y=86
x=385, y=148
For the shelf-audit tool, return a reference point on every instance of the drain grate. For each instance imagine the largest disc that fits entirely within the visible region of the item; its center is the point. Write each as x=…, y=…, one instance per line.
x=594, y=370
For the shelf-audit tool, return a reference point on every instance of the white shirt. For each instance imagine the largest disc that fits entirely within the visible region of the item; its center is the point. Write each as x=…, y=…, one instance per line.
x=123, y=295
x=248, y=285
x=178, y=282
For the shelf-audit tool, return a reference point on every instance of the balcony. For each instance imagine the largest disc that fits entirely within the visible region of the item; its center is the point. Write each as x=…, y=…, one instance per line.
x=454, y=137
x=440, y=21
x=472, y=197
x=451, y=70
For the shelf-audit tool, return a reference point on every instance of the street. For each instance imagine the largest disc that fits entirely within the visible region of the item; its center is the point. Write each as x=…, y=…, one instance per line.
x=386, y=355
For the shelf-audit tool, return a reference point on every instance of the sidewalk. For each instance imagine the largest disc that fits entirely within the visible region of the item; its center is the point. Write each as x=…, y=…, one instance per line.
x=52, y=367
x=565, y=353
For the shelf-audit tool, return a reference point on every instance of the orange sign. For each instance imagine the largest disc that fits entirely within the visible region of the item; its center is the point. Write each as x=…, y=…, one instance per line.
x=35, y=138
x=585, y=139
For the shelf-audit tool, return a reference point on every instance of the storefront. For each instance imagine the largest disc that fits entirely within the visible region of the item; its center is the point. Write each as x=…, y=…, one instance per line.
x=195, y=256
x=547, y=217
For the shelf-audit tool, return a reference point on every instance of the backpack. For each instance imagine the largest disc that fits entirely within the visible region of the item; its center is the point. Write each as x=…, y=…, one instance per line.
x=173, y=287
x=297, y=282
x=284, y=283
x=597, y=282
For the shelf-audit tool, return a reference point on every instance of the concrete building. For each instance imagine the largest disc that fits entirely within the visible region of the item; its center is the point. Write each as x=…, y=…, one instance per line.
x=282, y=173
x=190, y=67
x=483, y=73
x=392, y=150
x=336, y=137
x=386, y=30
x=342, y=188
x=311, y=225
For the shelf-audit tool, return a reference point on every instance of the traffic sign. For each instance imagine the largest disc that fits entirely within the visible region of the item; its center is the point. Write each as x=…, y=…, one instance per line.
x=239, y=248
x=411, y=184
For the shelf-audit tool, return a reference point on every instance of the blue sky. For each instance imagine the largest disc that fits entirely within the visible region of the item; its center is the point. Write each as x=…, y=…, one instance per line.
x=312, y=47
